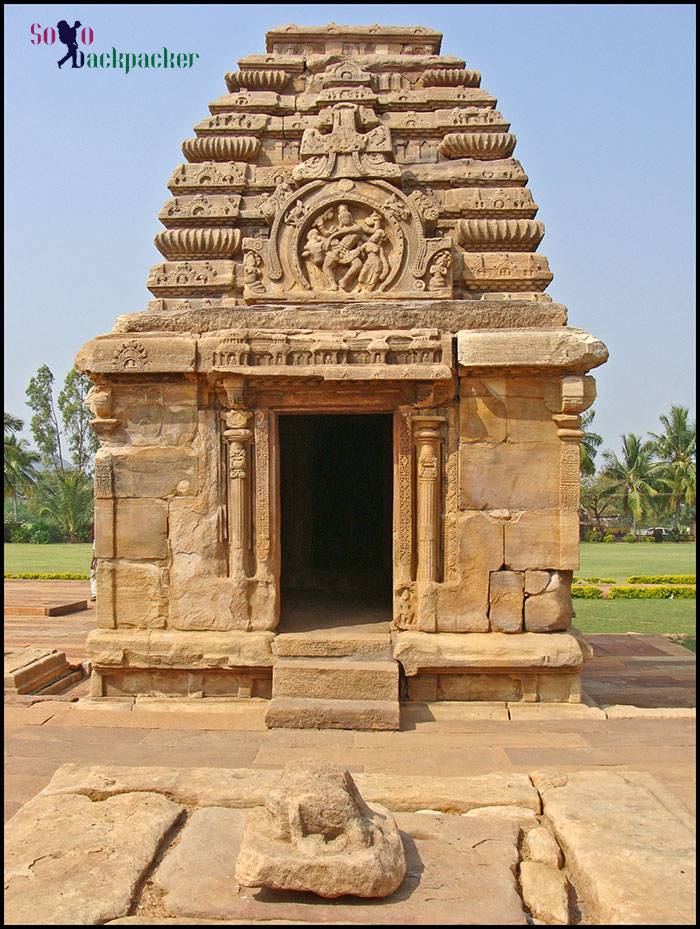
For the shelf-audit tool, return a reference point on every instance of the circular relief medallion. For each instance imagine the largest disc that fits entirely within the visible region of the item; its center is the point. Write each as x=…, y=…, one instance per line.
x=349, y=244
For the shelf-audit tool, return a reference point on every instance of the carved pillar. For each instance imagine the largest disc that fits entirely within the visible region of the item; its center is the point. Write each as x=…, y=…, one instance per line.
x=427, y=436
x=237, y=435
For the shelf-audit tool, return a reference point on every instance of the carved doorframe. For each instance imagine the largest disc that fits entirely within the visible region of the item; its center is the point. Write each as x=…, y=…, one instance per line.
x=270, y=400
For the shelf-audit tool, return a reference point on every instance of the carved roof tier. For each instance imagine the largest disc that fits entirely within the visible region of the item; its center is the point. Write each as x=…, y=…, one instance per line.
x=349, y=165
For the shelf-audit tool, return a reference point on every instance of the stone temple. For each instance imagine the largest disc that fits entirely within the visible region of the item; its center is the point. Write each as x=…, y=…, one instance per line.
x=339, y=462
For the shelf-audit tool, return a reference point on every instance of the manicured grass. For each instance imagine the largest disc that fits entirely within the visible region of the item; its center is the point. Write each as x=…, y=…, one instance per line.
x=649, y=616
x=619, y=560
x=25, y=557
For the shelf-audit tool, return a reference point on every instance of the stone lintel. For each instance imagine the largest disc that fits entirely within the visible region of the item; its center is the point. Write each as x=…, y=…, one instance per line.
x=177, y=649
x=447, y=315
x=422, y=651
x=524, y=350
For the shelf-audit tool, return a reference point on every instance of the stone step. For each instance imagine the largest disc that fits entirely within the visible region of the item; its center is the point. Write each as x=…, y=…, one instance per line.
x=332, y=644
x=310, y=713
x=336, y=678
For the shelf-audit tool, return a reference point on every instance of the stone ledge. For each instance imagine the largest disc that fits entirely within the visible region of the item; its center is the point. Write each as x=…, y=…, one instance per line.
x=155, y=648
x=425, y=651
x=564, y=349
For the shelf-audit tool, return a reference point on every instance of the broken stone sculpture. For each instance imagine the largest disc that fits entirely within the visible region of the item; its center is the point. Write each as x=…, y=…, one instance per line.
x=316, y=833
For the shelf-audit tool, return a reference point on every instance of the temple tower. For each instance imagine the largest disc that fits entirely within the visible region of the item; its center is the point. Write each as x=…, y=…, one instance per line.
x=340, y=448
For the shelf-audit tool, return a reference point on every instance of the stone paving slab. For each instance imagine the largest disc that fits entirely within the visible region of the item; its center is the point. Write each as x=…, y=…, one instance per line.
x=628, y=844
x=69, y=861
x=247, y=787
x=459, y=871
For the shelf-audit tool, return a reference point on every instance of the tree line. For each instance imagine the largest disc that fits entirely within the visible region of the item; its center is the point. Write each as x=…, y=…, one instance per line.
x=48, y=490
x=651, y=481
x=49, y=498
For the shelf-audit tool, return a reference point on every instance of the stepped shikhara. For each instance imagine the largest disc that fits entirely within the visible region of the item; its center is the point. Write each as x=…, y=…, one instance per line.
x=349, y=381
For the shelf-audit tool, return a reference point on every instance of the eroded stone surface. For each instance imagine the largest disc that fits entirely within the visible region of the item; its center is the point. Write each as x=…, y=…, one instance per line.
x=69, y=860
x=628, y=846
x=317, y=834
x=545, y=892
x=458, y=871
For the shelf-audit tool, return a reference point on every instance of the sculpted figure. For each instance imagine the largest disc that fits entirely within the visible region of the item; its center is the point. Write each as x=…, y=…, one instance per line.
x=376, y=266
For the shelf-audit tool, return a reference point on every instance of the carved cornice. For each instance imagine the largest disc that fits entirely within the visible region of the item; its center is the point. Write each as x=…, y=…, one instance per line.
x=450, y=77
x=225, y=176
x=177, y=244
x=482, y=145
x=203, y=210
x=504, y=202
x=505, y=271
x=183, y=277
x=267, y=79
x=221, y=148
x=494, y=235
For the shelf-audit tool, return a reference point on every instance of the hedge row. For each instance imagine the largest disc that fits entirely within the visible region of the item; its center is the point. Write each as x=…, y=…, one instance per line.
x=651, y=593
x=583, y=592
x=49, y=577
x=660, y=579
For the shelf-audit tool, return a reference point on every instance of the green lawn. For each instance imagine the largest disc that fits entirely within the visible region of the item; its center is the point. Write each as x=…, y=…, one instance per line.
x=666, y=616
x=25, y=557
x=619, y=560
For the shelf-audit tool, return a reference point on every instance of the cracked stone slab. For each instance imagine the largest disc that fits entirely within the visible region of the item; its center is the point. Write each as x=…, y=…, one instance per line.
x=248, y=787
x=71, y=861
x=459, y=871
x=629, y=845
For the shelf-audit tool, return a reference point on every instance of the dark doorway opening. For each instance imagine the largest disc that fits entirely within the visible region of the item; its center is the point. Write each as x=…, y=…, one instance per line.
x=336, y=525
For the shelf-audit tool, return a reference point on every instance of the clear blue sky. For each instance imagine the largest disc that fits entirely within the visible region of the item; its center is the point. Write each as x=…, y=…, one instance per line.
x=601, y=98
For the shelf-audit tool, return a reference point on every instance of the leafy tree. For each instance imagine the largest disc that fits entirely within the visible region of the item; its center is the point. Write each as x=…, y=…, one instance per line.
x=676, y=449
x=590, y=443
x=63, y=494
x=44, y=425
x=597, y=500
x=20, y=473
x=634, y=478
x=82, y=440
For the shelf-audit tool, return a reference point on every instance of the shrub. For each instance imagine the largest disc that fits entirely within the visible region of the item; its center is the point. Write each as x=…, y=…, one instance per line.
x=599, y=580
x=19, y=532
x=661, y=579
x=592, y=535
x=651, y=593
x=630, y=538
x=48, y=577
x=608, y=537
x=583, y=592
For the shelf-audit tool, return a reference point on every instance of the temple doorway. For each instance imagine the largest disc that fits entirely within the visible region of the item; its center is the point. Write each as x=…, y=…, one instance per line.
x=336, y=521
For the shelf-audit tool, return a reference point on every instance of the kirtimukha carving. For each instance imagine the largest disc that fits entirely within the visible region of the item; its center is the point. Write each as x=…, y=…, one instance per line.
x=350, y=244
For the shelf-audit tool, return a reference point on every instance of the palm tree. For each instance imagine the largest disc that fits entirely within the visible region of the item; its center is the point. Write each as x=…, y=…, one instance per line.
x=19, y=462
x=65, y=500
x=676, y=449
x=590, y=442
x=634, y=477
x=12, y=424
